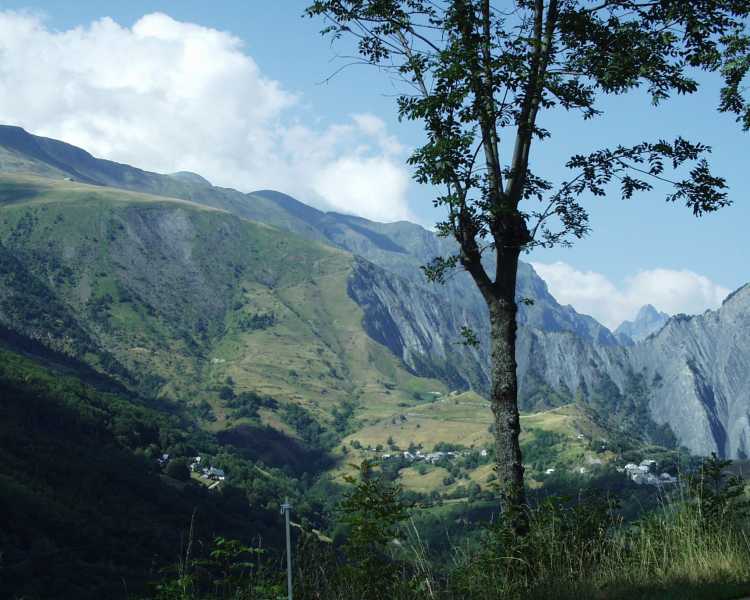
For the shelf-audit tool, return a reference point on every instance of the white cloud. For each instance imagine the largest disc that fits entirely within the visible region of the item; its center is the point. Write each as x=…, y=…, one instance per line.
x=356, y=182
x=594, y=294
x=167, y=95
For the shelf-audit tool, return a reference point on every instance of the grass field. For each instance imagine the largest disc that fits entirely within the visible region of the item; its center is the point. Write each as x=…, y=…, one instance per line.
x=465, y=419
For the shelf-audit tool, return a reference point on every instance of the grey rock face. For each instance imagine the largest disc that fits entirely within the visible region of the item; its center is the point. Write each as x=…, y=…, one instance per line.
x=647, y=321
x=702, y=366
x=420, y=327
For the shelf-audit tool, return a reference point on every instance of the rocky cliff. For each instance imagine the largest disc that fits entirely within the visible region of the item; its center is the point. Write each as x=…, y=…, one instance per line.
x=699, y=367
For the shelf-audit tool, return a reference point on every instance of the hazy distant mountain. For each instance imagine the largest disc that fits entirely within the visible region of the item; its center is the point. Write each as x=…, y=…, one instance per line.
x=647, y=321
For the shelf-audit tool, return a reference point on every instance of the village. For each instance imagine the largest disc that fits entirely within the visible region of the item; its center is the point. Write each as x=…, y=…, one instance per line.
x=644, y=473
x=431, y=457
x=208, y=475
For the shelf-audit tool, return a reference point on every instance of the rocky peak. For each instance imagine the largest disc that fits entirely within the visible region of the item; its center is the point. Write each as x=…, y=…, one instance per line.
x=647, y=321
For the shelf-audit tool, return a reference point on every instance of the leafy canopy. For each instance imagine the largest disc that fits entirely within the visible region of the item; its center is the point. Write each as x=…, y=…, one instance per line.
x=478, y=73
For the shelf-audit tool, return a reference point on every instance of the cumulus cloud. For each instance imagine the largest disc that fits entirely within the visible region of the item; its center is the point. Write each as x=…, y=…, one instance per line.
x=167, y=95
x=592, y=293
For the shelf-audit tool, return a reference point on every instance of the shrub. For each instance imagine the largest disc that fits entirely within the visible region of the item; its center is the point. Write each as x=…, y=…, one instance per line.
x=178, y=469
x=372, y=512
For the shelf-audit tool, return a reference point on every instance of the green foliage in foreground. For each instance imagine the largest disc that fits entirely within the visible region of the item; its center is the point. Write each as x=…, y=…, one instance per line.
x=693, y=546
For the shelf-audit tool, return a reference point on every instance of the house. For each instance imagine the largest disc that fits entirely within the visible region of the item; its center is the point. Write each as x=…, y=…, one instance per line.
x=642, y=475
x=433, y=457
x=667, y=479
x=214, y=473
x=646, y=479
x=549, y=471
x=483, y=453
x=632, y=469
x=163, y=459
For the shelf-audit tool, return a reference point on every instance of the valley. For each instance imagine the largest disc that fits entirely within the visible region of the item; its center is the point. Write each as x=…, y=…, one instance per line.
x=374, y=300
x=286, y=346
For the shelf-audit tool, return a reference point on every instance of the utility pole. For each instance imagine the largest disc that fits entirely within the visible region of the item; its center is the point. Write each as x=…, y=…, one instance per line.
x=286, y=509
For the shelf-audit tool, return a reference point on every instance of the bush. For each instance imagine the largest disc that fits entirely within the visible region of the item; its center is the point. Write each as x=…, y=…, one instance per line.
x=372, y=512
x=178, y=469
x=720, y=496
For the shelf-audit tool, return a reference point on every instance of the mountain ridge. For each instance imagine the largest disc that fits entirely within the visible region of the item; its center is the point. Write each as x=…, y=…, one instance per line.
x=563, y=356
x=400, y=248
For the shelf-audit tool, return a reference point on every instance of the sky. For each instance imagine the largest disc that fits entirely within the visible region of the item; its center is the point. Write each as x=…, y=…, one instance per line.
x=243, y=93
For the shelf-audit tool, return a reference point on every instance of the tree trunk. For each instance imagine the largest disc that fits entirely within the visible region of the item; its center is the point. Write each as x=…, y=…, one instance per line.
x=504, y=395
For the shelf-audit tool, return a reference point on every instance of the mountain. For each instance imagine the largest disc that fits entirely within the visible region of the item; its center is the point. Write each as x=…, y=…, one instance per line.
x=173, y=298
x=176, y=286
x=647, y=321
x=685, y=381
x=698, y=366
x=397, y=249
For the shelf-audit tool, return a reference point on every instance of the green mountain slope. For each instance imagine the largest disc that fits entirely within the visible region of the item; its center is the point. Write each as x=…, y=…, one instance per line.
x=179, y=299
x=398, y=250
x=21, y=152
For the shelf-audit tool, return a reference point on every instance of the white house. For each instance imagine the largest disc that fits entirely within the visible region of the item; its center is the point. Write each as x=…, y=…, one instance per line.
x=433, y=457
x=666, y=478
x=214, y=473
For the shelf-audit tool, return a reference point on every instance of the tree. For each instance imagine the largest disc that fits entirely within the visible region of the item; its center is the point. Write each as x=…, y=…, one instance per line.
x=373, y=510
x=479, y=73
x=178, y=469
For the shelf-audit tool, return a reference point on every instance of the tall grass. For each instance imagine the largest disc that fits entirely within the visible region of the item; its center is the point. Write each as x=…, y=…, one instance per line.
x=671, y=553
x=694, y=546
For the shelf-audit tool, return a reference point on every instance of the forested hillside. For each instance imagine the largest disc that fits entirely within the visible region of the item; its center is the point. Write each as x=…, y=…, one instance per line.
x=88, y=509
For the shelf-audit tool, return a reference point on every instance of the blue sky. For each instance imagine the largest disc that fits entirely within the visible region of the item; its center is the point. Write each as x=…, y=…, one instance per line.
x=636, y=251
